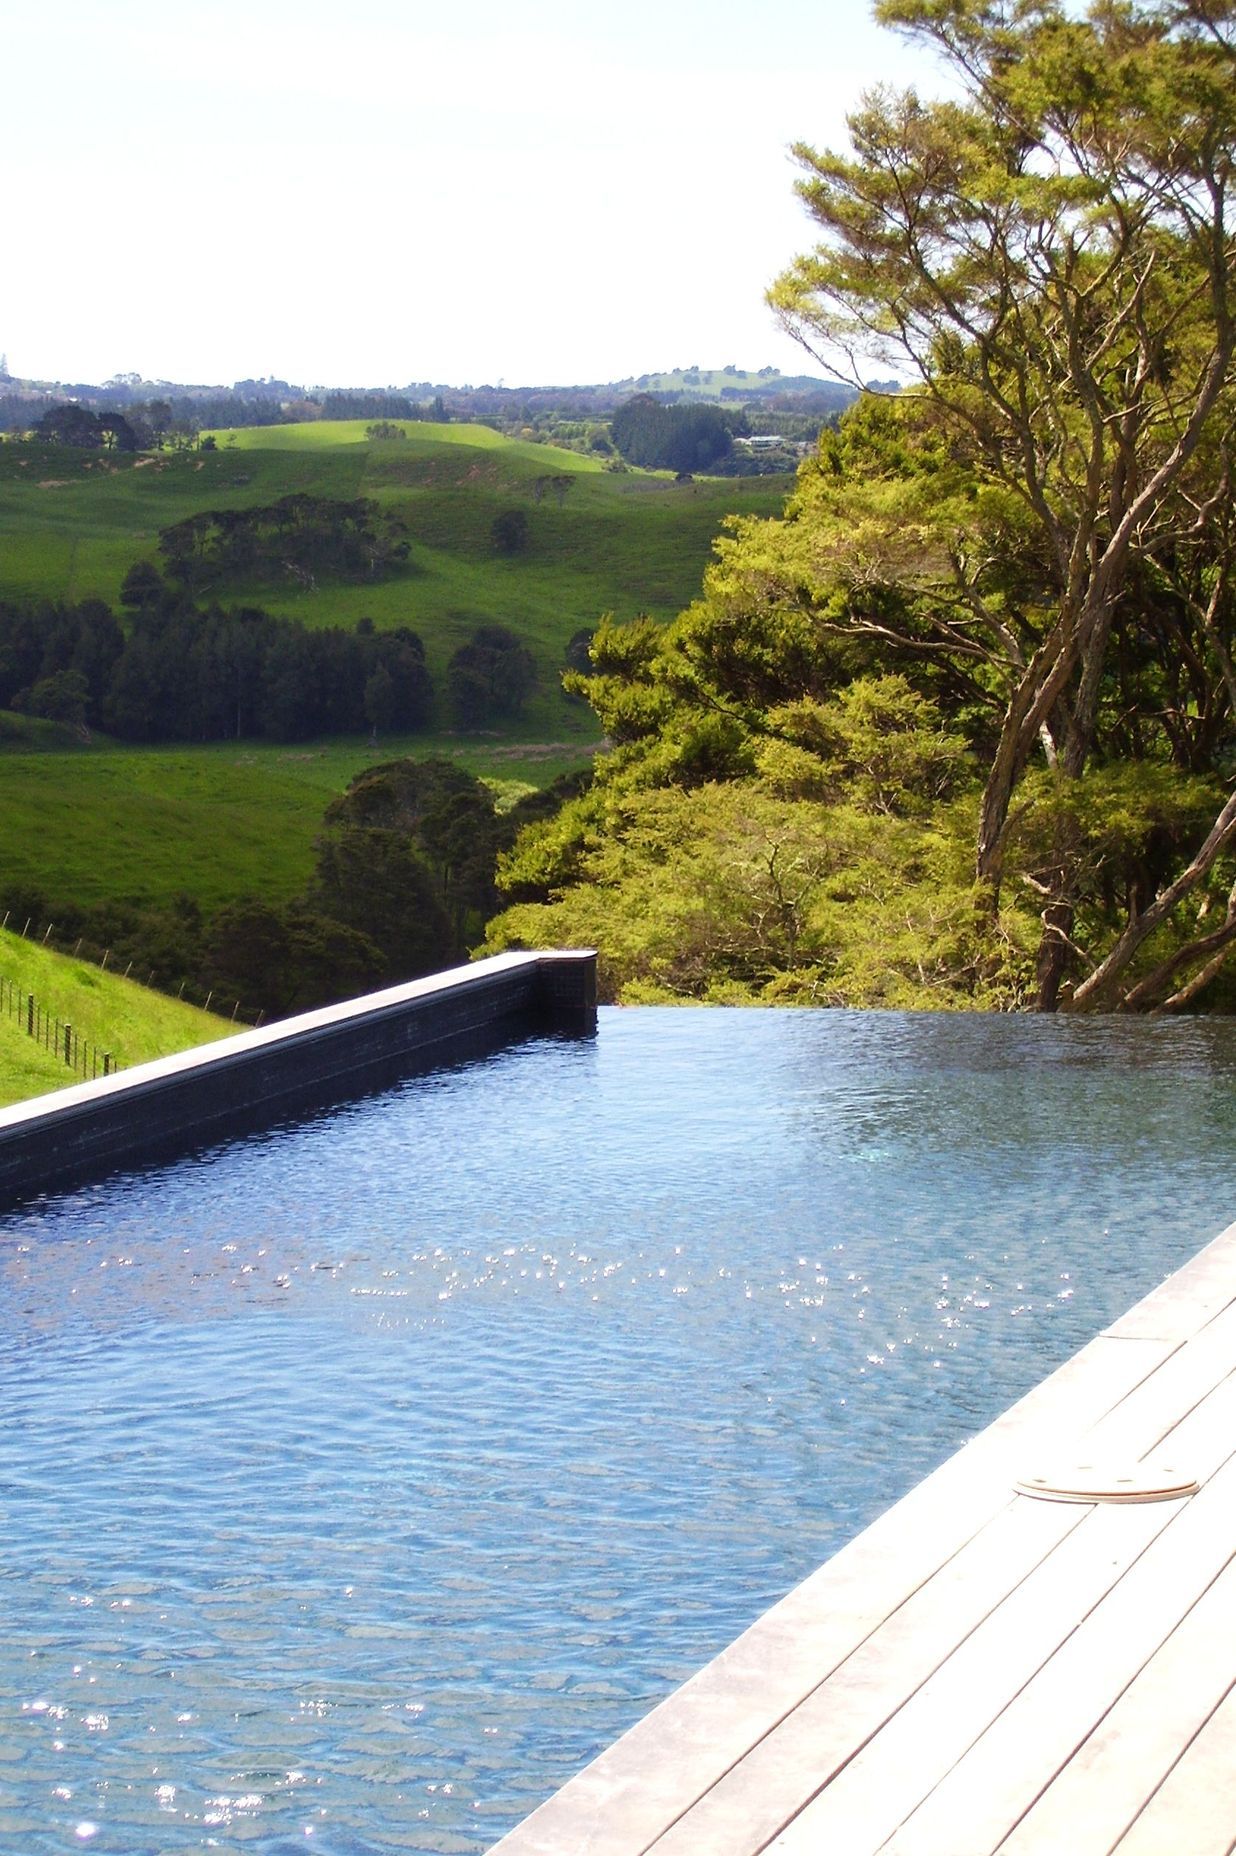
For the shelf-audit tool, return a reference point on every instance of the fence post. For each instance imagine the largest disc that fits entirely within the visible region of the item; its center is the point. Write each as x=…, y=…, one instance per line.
x=47, y=933
x=107, y=1063
x=68, y=1044
x=30, y=1015
x=106, y=956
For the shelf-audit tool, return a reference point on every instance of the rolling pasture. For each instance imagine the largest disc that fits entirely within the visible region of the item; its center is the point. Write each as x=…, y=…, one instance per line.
x=73, y=522
x=91, y=822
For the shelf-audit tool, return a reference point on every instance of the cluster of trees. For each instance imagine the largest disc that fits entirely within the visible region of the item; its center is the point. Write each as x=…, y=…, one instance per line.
x=365, y=403
x=156, y=421
x=180, y=673
x=492, y=674
x=960, y=726
x=88, y=431
x=144, y=425
x=300, y=535
x=687, y=437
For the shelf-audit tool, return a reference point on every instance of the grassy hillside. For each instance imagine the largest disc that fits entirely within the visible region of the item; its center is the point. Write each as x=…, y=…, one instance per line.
x=92, y=823
x=111, y=1012
x=72, y=523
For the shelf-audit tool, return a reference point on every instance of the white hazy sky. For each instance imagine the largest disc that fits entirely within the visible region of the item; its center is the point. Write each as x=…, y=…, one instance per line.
x=368, y=192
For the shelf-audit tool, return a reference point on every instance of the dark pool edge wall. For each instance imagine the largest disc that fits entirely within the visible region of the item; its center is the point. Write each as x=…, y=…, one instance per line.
x=155, y=1110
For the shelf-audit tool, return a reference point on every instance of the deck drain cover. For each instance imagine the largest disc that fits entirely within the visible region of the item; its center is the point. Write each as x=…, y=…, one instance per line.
x=1108, y=1482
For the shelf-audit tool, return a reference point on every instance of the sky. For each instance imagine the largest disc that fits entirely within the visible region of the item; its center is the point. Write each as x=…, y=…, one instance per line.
x=380, y=192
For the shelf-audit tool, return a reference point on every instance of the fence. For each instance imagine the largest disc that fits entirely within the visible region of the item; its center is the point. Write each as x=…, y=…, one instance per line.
x=82, y=1058
x=213, y=999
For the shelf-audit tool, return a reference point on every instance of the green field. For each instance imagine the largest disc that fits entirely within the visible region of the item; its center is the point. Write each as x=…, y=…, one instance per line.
x=113, y=1013
x=73, y=522
x=88, y=824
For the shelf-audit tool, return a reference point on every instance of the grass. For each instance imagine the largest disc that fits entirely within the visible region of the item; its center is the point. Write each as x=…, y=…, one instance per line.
x=105, y=823
x=113, y=1013
x=72, y=523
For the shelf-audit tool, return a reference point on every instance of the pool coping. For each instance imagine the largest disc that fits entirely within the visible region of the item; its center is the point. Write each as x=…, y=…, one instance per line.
x=236, y=1084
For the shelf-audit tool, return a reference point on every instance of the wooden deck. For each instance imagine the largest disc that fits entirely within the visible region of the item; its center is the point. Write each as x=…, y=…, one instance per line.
x=981, y=1670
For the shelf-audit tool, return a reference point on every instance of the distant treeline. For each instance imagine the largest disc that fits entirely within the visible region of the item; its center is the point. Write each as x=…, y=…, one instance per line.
x=184, y=673
x=169, y=411
x=175, y=420
x=367, y=405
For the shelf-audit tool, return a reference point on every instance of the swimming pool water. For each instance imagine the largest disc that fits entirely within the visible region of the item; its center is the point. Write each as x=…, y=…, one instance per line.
x=359, y=1481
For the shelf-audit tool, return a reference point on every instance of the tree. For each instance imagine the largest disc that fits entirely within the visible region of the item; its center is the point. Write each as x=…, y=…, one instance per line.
x=508, y=531
x=115, y=432
x=142, y=586
x=380, y=700
x=61, y=697
x=69, y=425
x=372, y=881
x=1049, y=255
x=678, y=438
x=447, y=818
x=490, y=675
x=286, y=959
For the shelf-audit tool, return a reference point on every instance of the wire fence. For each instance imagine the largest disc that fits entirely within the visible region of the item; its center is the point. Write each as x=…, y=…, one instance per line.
x=80, y=1056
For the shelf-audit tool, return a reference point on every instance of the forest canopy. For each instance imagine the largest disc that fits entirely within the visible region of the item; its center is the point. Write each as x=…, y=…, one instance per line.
x=958, y=727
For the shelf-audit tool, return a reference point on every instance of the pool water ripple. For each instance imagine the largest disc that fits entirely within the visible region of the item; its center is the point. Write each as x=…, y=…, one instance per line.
x=359, y=1481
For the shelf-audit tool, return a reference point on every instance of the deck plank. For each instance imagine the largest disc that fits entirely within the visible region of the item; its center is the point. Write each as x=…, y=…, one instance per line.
x=997, y=1781
x=1099, y=1794
x=1193, y=1812
x=759, y=1796
x=892, y=1776
x=1146, y=1417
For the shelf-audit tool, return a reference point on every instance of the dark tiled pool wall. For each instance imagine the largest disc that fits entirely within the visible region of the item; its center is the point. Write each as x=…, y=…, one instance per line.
x=161, y=1109
x=568, y=989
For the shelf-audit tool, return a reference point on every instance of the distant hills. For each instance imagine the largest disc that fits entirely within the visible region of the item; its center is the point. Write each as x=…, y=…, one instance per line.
x=271, y=400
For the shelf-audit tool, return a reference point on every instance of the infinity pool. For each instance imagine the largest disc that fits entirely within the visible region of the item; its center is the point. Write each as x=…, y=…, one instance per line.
x=360, y=1481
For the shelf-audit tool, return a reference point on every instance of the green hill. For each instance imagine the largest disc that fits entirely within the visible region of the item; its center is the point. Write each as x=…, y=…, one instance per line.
x=115, y=1014
x=72, y=523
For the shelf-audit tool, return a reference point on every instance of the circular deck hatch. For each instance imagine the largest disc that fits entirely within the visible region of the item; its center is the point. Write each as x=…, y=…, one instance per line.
x=1097, y=1481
